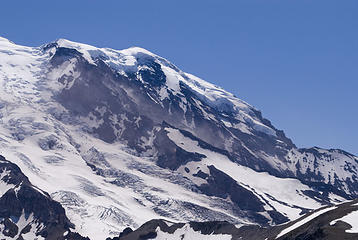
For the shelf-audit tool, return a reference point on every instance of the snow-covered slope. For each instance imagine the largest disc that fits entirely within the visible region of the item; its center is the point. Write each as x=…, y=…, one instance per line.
x=123, y=137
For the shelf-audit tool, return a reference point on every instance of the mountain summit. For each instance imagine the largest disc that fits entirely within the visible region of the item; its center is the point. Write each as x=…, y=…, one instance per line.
x=122, y=137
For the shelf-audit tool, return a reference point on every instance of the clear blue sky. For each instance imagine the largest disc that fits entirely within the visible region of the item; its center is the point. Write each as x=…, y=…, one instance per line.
x=296, y=61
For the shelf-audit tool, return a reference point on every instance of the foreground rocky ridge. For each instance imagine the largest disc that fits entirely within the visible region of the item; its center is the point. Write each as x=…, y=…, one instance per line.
x=122, y=137
x=323, y=224
x=27, y=212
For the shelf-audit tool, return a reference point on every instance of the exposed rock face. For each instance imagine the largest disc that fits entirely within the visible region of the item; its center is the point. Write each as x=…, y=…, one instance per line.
x=27, y=212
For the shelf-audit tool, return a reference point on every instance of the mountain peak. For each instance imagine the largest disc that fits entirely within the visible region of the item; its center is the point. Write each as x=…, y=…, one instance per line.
x=126, y=60
x=136, y=50
x=91, y=52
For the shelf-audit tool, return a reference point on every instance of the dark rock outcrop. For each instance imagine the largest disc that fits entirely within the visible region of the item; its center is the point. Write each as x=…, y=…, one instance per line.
x=44, y=216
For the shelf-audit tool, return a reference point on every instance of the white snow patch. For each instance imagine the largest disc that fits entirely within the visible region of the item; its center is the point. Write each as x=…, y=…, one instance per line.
x=351, y=219
x=173, y=79
x=304, y=220
x=187, y=233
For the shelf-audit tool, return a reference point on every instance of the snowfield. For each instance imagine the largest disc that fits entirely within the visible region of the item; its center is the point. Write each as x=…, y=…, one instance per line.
x=289, y=192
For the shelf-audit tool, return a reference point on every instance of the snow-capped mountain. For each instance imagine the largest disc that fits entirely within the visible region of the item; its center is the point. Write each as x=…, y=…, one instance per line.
x=122, y=137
